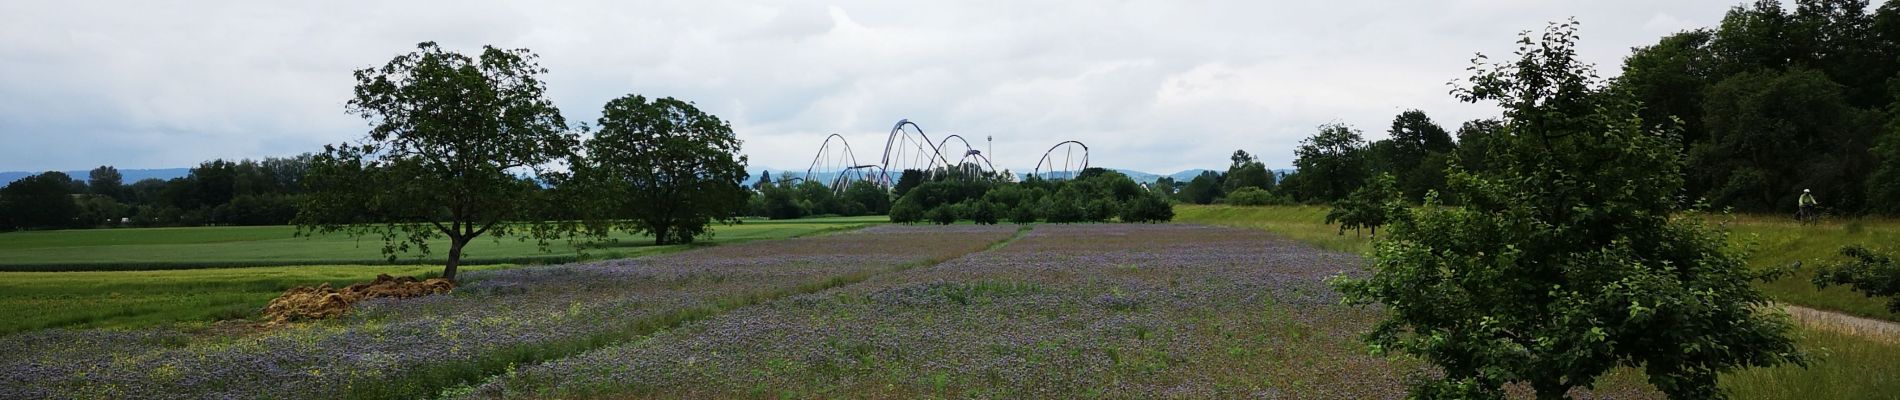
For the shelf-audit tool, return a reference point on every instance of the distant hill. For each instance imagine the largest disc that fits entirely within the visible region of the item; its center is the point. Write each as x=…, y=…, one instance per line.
x=131, y=175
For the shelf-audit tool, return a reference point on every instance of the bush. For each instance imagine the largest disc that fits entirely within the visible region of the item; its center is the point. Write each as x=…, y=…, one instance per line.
x=906, y=212
x=942, y=215
x=1023, y=214
x=1099, y=210
x=1867, y=272
x=982, y=212
x=1371, y=206
x=1061, y=208
x=1150, y=208
x=1252, y=196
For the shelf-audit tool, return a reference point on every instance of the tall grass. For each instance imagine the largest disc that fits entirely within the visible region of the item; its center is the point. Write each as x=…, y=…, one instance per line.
x=1846, y=367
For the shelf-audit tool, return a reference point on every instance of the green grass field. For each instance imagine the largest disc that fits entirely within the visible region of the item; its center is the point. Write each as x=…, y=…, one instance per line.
x=250, y=246
x=256, y=264
x=130, y=299
x=1772, y=242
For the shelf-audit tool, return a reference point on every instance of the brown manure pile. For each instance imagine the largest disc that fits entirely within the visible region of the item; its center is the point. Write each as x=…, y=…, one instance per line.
x=305, y=302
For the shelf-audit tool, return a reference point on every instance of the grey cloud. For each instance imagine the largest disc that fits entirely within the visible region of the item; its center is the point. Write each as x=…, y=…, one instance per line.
x=1153, y=85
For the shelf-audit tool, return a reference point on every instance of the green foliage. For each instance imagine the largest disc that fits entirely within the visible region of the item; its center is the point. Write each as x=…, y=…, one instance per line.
x=448, y=133
x=1415, y=155
x=981, y=212
x=1772, y=134
x=41, y=201
x=943, y=214
x=778, y=201
x=661, y=168
x=1871, y=273
x=1246, y=172
x=1149, y=208
x=1883, y=186
x=867, y=198
x=907, y=211
x=1024, y=213
x=907, y=180
x=1253, y=196
x=1330, y=164
x=1567, y=261
x=1369, y=207
x=106, y=181
x=1203, y=189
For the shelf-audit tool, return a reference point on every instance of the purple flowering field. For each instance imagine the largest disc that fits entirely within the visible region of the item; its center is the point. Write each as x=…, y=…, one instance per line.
x=413, y=348
x=1058, y=311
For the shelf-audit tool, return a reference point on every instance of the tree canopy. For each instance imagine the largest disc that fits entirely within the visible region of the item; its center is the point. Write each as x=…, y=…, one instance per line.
x=1567, y=260
x=449, y=137
x=662, y=168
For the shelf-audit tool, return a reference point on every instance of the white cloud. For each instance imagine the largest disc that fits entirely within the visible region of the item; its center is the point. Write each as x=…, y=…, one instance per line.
x=1152, y=85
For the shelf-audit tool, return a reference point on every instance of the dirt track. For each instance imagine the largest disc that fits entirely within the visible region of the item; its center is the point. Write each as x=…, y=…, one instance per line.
x=1885, y=331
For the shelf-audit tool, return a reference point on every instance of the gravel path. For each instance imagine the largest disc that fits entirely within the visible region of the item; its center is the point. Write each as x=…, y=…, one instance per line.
x=1886, y=331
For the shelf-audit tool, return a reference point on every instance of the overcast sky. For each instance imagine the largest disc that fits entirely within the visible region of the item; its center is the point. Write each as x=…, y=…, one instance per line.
x=1159, y=86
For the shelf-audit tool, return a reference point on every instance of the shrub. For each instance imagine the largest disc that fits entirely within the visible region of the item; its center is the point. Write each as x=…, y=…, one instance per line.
x=1099, y=210
x=1251, y=196
x=906, y=212
x=1023, y=214
x=942, y=215
x=1868, y=272
x=982, y=212
x=1149, y=208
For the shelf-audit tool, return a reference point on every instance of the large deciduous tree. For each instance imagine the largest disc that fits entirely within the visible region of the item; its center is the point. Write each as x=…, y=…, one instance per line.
x=1331, y=164
x=41, y=201
x=1247, y=171
x=1568, y=260
x=450, y=137
x=106, y=181
x=663, y=168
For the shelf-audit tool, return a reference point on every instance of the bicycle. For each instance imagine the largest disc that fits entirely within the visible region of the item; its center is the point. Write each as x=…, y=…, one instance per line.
x=1808, y=215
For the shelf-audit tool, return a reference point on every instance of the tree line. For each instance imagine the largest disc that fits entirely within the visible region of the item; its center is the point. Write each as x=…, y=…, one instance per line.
x=216, y=192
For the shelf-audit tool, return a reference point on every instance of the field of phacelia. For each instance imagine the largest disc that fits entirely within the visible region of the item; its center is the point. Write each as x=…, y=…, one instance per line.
x=415, y=348
x=1067, y=311
x=1057, y=311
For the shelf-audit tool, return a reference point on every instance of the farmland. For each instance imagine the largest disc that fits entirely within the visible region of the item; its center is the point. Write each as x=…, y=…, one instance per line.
x=1043, y=311
x=248, y=246
x=1771, y=241
x=176, y=281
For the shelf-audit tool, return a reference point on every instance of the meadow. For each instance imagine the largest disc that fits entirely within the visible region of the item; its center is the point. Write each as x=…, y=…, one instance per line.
x=1772, y=242
x=198, y=275
x=1846, y=366
x=961, y=311
x=251, y=246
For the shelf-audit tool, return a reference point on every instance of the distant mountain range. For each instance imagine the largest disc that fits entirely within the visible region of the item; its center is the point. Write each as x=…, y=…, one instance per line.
x=129, y=175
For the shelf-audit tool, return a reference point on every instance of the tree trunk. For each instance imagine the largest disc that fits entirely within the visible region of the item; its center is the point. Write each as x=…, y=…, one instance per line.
x=661, y=235
x=455, y=257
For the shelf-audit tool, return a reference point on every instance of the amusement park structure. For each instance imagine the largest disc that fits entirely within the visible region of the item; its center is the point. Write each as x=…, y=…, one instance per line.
x=907, y=147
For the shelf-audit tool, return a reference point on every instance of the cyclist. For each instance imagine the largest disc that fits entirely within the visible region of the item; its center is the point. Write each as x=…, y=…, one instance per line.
x=1807, y=204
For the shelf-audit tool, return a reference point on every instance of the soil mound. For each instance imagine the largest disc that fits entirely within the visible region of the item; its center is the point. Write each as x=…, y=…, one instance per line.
x=305, y=302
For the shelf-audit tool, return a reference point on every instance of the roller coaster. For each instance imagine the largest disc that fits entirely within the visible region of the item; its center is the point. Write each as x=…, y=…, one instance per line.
x=907, y=147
